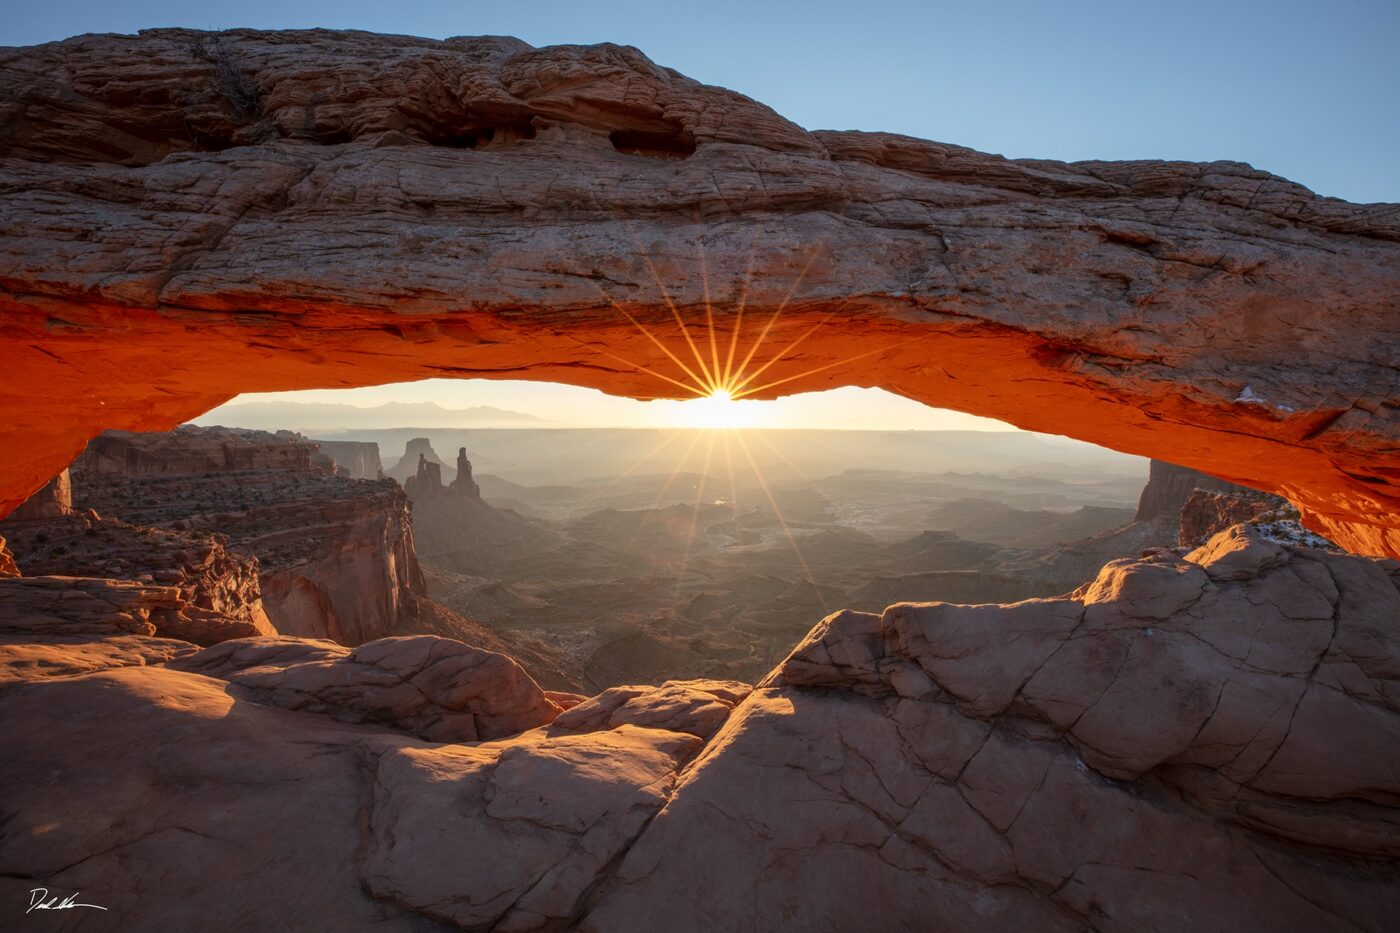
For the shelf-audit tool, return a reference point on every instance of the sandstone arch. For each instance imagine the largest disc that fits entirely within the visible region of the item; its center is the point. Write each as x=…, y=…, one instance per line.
x=193, y=216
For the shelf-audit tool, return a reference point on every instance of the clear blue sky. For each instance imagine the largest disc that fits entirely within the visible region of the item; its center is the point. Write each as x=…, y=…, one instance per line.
x=1308, y=90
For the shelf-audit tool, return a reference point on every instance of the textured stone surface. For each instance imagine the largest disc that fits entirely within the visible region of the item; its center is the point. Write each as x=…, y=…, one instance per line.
x=1204, y=743
x=184, y=806
x=53, y=500
x=189, y=449
x=512, y=837
x=436, y=688
x=283, y=210
x=1205, y=514
x=218, y=587
x=186, y=799
x=355, y=459
x=40, y=605
x=1169, y=486
x=1199, y=742
x=695, y=707
x=335, y=556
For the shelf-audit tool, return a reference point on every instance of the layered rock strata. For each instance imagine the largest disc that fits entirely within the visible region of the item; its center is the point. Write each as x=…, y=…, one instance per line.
x=189, y=449
x=1170, y=486
x=1205, y=514
x=283, y=210
x=335, y=556
x=418, y=449
x=354, y=459
x=40, y=607
x=210, y=593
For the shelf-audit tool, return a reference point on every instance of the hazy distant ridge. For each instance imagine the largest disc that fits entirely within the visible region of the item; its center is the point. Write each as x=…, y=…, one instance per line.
x=327, y=416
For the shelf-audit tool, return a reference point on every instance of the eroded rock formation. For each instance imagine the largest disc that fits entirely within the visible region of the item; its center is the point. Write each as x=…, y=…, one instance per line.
x=355, y=459
x=189, y=449
x=211, y=592
x=256, y=534
x=1169, y=486
x=1197, y=740
x=335, y=556
x=436, y=688
x=416, y=451
x=1205, y=514
x=464, y=486
x=281, y=210
x=53, y=500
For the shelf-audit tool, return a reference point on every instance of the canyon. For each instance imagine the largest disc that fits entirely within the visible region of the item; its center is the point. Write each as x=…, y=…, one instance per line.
x=261, y=532
x=231, y=657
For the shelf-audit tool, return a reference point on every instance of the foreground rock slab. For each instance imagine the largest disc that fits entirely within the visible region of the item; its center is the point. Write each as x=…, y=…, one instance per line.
x=280, y=210
x=1197, y=740
x=1203, y=742
x=436, y=688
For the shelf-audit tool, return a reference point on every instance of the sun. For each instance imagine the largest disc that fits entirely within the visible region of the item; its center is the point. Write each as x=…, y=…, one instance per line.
x=719, y=409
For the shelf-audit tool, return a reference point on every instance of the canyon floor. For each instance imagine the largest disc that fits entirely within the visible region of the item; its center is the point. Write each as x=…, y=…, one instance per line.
x=717, y=572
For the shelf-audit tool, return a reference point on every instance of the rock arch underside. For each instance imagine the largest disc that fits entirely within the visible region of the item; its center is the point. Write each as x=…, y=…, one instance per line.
x=1194, y=739
x=189, y=217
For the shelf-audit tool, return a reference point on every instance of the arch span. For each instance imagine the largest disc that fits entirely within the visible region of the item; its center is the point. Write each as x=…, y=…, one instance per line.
x=192, y=216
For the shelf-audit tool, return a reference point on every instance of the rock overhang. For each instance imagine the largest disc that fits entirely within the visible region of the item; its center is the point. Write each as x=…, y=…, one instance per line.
x=356, y=224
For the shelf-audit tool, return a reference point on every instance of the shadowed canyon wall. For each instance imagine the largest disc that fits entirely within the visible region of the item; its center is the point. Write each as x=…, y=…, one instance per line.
x=335, y=555
x=192, y=216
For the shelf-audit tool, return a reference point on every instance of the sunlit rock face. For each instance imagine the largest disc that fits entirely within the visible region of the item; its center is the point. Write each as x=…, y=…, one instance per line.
x=1192, y=741
x=191, y=216
x=1197, y=742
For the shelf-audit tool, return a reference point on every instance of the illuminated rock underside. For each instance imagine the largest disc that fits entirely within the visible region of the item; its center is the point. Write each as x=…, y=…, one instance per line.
x=191, y=217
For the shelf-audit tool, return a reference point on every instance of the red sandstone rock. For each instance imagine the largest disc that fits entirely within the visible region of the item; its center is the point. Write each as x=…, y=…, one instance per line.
x=282, y=210
x=943, y=767
x=1169, y=486
x=1206, y=514
x=48, y=605
x=189, y=449
x=437, y=688
x=335, y=556
x=218, y=588
x=695, y=707
x=355, y=459
x=53, y=500
x=514, y=836
x=7, y=560
x=1201, y=742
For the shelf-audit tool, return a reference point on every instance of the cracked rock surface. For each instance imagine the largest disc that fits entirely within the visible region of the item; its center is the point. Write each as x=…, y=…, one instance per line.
x=1195, y=740
x=1204, y=741
x=437, y=688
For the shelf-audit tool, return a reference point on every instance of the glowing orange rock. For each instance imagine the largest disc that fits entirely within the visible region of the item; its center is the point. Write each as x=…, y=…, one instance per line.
x=195, y=216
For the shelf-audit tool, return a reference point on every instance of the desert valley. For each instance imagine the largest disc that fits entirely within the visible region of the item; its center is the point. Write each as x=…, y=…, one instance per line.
x=1129, y=661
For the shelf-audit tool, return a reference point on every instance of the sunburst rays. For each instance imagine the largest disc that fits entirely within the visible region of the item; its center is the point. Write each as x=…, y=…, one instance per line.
x=725, y=364
x=709, y=369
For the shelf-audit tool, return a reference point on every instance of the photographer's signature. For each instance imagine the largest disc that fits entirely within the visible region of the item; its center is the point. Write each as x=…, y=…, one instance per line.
x=39, y=900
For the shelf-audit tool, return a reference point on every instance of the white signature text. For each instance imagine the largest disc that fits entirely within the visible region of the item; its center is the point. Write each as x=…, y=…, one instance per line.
x=39, y=900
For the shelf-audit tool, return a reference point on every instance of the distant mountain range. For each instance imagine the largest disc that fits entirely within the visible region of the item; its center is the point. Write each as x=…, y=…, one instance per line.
x=323, y=416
